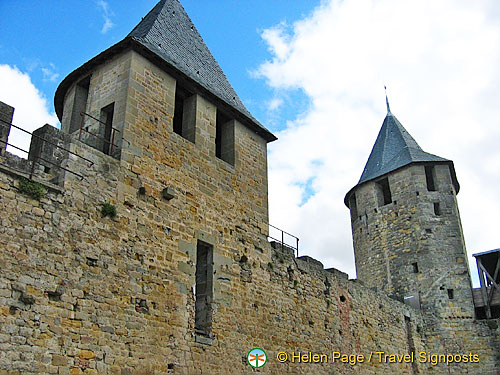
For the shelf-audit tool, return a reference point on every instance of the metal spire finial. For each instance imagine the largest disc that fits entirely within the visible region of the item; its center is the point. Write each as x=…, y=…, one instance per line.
x=387, y=101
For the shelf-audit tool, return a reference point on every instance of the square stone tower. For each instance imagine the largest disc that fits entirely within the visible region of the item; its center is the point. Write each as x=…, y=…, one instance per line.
x=158, y=104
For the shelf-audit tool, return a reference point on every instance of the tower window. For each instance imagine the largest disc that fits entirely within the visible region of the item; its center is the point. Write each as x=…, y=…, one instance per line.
x=224, y=137
x=353, y=206
x=415, y=267
x=437, y=209
x=184, y=113
x=450, y=294
x=204, y=289
x=107, y=118
x=80, y=103
x=430, y=175
x=383, y=192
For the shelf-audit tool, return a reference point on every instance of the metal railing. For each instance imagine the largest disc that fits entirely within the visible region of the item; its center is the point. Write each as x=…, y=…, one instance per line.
x=109, y=142
x=36, y=156
x=283, y=235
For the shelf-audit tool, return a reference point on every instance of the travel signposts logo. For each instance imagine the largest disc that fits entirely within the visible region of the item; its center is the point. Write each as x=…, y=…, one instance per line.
x=256, y=358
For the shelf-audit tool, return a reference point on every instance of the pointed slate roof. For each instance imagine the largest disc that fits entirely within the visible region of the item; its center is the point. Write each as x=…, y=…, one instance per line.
x=168, y=33
x=393, y=149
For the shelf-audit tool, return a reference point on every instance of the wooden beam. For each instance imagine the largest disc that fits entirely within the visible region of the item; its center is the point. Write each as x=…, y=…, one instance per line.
x=478, y=298
x=494, y=284
x=497, y=268
x=484, y=293
x=492, y=281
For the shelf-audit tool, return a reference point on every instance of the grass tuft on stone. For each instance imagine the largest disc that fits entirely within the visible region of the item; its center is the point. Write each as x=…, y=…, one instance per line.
x=31, y=188
x=107, y=209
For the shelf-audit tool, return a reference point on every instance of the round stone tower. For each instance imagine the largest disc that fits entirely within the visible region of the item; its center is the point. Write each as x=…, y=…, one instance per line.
x=406, y=227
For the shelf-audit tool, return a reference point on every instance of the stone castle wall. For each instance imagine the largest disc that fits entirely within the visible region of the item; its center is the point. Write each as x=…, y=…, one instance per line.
x=415, y=252
x=6, y=114
x=82, y=293
x=85, y=294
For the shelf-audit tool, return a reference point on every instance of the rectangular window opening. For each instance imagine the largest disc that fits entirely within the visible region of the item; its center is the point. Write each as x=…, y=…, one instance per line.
x=384, y=192
x=415, y=267
x=430, y=178
x=204, y=289
x=353, y=206
x=79, y=104
x=450, y=294
x=107, y=118
x=411, y=343
x=437, y=209
x=224, y=137
x=184, y=114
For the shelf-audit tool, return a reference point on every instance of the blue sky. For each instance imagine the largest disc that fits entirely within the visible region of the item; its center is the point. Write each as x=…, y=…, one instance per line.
x=313, y=72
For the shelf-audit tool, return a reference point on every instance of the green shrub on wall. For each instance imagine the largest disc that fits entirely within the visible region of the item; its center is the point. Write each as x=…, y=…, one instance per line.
x=107, y=209
x=31, y=188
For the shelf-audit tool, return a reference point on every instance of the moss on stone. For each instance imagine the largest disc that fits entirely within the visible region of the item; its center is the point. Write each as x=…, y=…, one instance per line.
x=31, y=188
x=107, y=209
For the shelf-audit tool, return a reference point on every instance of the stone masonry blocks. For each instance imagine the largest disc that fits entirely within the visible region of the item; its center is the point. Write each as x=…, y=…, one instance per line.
x=6, y=115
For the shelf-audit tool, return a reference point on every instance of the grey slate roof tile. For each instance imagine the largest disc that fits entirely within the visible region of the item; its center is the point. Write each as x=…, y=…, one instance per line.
x=393, y=149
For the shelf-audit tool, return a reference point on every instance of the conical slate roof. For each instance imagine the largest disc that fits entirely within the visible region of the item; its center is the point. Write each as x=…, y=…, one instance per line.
x=168, y=35
x=393, y=149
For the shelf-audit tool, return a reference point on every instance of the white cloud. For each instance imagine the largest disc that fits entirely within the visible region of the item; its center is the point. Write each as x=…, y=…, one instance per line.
x=277, y=41
x=274, y=104
x=106, y=14
x=107, y=25
x=442, y=70
x=49, y=73
x=31, y=107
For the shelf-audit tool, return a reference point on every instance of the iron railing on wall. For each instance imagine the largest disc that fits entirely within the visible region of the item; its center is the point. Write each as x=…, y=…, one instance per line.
x=284, y=239
x=109, y=142
x=38, y=143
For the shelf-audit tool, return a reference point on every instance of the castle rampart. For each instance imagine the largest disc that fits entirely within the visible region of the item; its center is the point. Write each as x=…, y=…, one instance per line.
x=83, y=293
